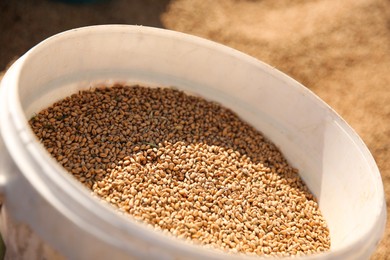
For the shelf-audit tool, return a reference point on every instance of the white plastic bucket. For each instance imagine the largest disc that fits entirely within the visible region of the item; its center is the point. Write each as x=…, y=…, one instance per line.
x=46, y=213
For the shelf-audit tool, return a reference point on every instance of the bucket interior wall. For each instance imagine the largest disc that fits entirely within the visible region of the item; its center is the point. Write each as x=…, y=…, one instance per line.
x=308, y=132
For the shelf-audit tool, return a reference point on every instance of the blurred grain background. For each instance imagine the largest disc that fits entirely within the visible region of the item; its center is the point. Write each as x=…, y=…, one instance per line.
x=338, y=49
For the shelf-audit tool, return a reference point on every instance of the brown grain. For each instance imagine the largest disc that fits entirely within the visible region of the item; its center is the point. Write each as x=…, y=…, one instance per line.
x=184, y=165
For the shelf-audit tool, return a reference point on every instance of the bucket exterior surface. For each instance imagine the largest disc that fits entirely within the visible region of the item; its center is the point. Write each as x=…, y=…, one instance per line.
x=46, y=213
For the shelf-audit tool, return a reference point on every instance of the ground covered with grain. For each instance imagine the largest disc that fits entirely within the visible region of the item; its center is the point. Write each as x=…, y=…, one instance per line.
x=184, y=165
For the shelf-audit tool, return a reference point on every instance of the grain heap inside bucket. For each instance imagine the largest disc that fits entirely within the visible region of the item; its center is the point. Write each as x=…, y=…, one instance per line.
x=184, y=165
